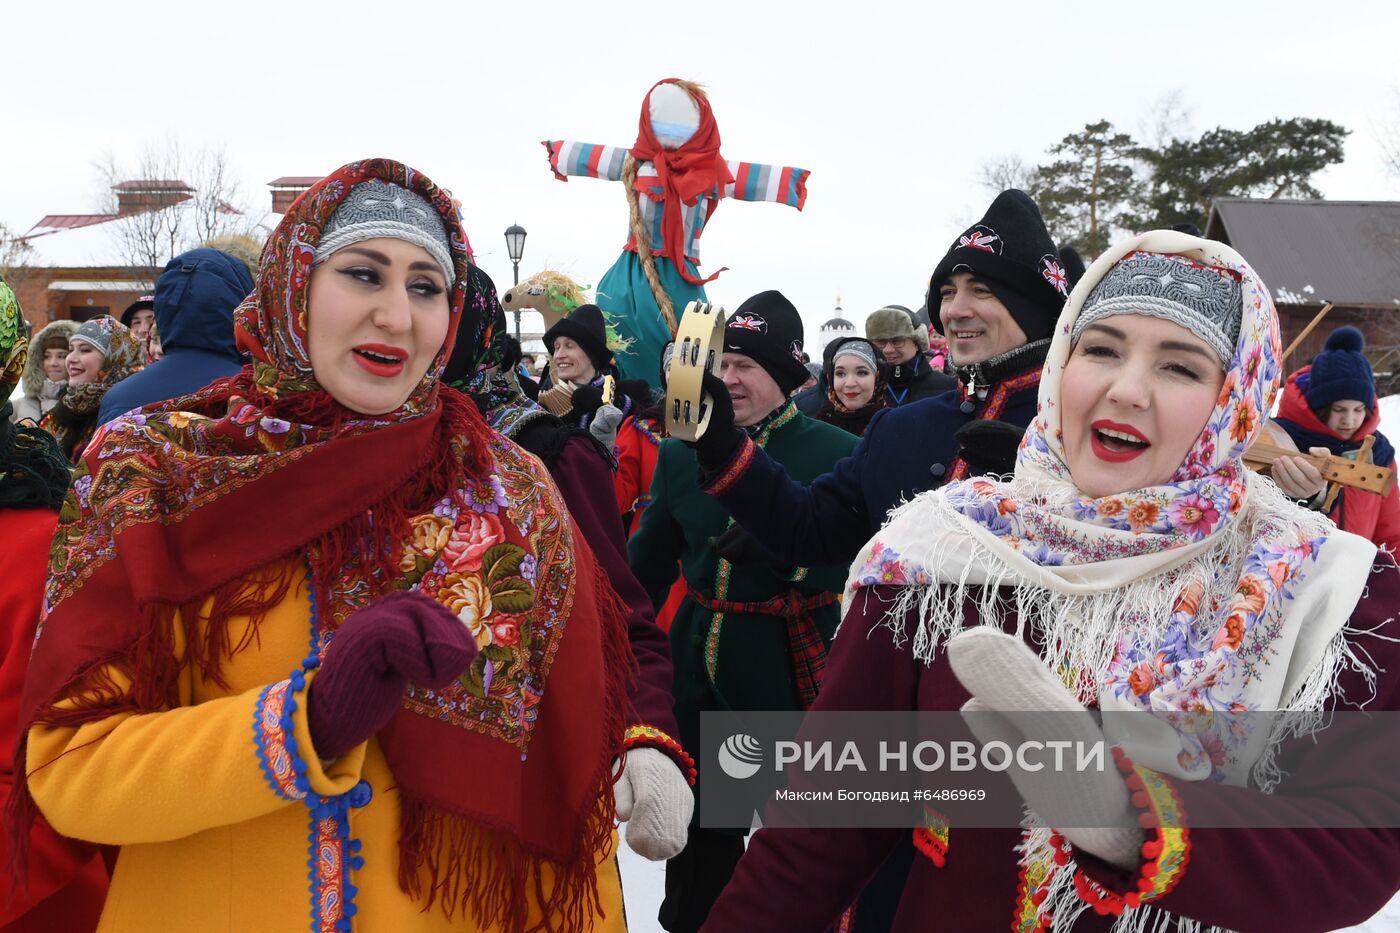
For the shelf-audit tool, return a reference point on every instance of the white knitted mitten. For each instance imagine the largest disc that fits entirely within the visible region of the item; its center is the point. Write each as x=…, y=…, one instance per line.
x=604, y=425
x=1014, y=697
x=655, y=801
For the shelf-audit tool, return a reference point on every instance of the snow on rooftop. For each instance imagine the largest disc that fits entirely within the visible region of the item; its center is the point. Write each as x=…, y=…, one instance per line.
x=90, y=245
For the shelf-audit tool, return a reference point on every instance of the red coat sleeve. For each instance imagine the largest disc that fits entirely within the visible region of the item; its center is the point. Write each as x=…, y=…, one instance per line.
x=802, y=879
x=67, y=879
x=627, y=481
x=1387, y=533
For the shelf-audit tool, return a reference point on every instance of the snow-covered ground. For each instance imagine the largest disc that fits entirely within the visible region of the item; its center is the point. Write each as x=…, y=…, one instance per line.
x=643, y=884
x=1390, y=417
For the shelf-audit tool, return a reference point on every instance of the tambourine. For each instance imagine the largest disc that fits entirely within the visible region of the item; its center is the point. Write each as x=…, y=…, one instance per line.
x=699, y=346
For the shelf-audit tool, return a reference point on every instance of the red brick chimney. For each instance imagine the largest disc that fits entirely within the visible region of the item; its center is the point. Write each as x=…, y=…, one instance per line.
x=287, y=189
x=149, y=194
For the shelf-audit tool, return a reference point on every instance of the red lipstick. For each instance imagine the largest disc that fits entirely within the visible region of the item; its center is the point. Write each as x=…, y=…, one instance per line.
x=1115, y=449
x=380, y=359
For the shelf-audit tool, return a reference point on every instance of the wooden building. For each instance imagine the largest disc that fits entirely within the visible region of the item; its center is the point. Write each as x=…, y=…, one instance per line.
x=1313, y=252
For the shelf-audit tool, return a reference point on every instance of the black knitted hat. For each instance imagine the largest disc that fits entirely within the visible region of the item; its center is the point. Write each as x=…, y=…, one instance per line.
x=768, y=328
x=1011, y=251
x=585, y=327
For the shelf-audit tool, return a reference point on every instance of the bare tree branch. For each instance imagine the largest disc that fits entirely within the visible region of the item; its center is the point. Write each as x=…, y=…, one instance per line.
x=1168, y=119
x=1388, y=136
x=1006, y=172
x=161, y=221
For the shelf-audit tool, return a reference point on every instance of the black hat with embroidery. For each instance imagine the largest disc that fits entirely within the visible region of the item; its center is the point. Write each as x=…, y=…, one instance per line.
x=1010, y=250
x=584, y=326
x=768, y=328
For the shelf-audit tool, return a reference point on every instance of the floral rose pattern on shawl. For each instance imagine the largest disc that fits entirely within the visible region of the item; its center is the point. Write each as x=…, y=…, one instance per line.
x=483, y=566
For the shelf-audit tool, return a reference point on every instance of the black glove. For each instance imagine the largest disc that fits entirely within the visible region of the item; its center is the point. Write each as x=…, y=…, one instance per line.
x=586, y=399
x=739, y=547
x=721, y=439
x=989, y=446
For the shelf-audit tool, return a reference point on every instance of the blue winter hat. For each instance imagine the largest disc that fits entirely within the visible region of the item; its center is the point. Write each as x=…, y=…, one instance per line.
x=1341, y=371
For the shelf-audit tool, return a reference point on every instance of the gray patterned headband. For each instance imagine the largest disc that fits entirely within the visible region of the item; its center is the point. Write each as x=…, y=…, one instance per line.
x=858, y=348
x=379, y=209
x=1207, y=301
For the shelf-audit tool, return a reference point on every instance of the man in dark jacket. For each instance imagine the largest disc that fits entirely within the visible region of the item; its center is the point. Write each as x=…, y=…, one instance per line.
x=194, y=302
x=998, y=293
x=904, y=344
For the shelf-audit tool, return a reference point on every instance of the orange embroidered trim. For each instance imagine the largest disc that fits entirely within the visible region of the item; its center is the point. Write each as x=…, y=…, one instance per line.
x=932, y=838
x=1164, y=854
x=652, y=737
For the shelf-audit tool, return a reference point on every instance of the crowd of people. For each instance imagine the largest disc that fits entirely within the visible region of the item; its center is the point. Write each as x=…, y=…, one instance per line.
x=318, y=608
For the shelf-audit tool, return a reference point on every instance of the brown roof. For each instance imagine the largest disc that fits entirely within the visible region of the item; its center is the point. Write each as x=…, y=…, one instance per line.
x=294, y=181
x=70, y=221
x=1309, y=252
x=152, y=184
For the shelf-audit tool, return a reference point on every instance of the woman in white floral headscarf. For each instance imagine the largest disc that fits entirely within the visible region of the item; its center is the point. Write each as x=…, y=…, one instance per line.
x=1132, y=557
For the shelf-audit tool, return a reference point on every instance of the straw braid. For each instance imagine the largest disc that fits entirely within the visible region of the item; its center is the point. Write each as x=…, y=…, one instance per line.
x=639, y=236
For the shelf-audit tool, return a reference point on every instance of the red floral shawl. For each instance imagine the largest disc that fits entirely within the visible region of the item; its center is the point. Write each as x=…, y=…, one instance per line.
x=202, y=495
x=683, y=174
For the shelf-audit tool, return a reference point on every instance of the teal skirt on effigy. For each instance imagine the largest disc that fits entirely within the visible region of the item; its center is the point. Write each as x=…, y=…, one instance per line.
x=626, y=297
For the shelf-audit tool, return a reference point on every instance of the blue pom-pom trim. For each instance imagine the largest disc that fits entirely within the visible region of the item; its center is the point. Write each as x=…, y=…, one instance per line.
x=1346, y=337
x=337, y=808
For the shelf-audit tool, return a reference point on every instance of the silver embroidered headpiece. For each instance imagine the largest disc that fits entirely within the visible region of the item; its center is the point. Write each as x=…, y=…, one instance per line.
x=379, y=209
x=1203, y=299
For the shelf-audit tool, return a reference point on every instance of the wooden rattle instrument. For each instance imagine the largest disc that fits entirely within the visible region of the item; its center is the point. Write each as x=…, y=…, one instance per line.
x=1358, y=474
x=699, y=345
x=1380, y=480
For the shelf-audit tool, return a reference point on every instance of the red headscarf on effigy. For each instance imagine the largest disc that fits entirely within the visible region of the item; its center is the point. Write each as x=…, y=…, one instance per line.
x=683, y=174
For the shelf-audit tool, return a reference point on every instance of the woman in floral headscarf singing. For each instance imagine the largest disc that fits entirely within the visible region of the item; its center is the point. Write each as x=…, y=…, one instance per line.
x=101, y=353
x=318, y=623
x=1134, y=559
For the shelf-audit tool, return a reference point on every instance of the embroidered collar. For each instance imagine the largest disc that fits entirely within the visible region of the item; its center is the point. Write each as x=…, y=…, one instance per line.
x=978, y=378
x=770, y=422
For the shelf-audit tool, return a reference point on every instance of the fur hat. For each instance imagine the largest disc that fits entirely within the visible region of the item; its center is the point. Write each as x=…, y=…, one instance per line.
x=768, y=328
x=1341, y=372
x=1010, y=250
x=894, y=321
x=586, y=327
x=33, y=381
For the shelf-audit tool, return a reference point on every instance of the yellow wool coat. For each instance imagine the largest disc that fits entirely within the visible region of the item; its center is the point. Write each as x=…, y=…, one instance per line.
x=207, y=843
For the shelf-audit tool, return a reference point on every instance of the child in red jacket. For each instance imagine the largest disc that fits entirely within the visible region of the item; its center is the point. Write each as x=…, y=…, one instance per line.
x=1332, y=404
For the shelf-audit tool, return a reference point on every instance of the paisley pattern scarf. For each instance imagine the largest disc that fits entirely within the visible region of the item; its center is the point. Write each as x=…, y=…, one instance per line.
x=427, y=497
x=1183, y=596
x=74, y=419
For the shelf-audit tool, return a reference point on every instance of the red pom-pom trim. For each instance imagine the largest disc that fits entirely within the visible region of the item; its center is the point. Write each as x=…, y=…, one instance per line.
x=1164, y=854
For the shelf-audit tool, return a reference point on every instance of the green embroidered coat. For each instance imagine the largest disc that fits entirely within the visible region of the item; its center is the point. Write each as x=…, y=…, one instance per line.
x=731, y=660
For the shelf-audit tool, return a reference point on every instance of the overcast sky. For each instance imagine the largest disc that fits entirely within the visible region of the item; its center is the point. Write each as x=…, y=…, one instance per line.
x=893, y=107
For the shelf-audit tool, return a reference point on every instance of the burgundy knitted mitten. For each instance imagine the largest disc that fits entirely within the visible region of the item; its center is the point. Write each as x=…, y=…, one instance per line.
x=398, y=639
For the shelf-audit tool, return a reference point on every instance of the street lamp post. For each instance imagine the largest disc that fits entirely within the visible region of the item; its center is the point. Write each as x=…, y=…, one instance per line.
x=515, y=247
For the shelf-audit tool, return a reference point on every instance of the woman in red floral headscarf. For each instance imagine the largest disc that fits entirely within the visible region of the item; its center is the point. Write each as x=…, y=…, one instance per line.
x=317, y=622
